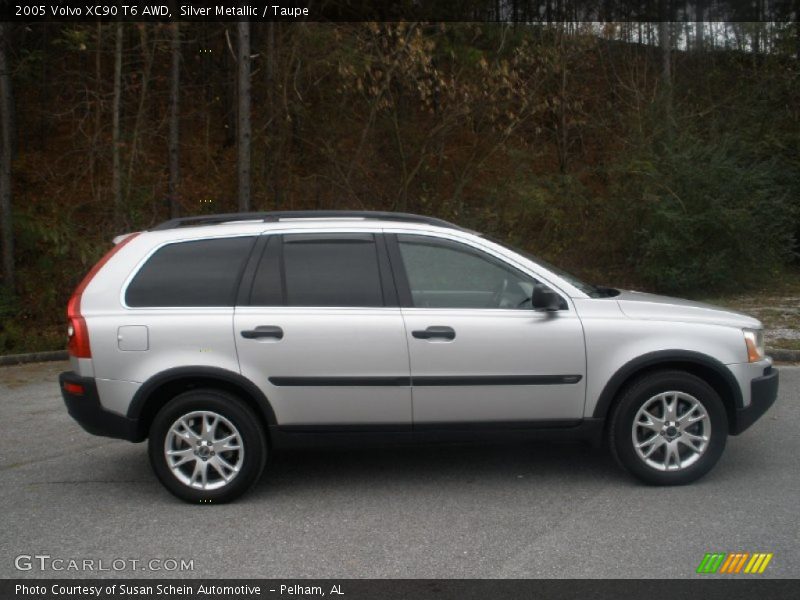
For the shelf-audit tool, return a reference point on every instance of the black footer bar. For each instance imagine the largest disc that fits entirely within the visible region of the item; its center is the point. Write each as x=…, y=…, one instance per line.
x=707, y=588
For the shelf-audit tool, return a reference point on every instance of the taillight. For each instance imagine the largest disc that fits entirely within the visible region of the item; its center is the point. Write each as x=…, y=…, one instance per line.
x=77, y=331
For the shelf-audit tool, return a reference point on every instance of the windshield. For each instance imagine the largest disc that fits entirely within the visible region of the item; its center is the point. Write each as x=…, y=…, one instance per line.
x=587, y=288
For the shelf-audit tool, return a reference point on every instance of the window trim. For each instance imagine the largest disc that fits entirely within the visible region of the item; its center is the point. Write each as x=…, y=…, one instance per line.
x=399, y=271
x=237, y=285
x=404, y=287
x=248, y=278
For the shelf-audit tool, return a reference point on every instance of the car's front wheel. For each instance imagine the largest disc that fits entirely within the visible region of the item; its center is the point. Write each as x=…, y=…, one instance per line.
x=206, y=446
x=669, y=428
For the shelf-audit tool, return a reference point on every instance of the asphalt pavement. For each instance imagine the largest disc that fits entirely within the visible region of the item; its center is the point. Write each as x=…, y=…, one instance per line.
x=451, y=511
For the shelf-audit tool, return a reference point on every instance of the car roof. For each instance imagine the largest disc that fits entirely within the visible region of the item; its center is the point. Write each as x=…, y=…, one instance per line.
x=328, y=216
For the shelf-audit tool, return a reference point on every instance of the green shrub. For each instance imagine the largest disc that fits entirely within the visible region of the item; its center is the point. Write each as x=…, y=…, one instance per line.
x=710, y=215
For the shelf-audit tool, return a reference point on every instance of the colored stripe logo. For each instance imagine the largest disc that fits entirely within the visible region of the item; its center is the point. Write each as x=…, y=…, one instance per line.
x=734, y=562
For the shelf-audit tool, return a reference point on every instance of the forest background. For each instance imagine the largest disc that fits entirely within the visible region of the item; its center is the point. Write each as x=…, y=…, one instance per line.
x=661, y=156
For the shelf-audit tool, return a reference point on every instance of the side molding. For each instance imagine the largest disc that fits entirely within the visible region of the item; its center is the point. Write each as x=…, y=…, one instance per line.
x=433, y=380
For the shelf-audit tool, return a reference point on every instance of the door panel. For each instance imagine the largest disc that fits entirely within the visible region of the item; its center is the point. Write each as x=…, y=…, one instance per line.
x=492, y=357
x=500, y=366
x=324, y=345
x=330, y=366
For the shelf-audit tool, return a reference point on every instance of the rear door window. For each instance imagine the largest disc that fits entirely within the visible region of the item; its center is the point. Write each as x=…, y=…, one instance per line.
x=321, y=269
x=195, y=273
x=331, y=270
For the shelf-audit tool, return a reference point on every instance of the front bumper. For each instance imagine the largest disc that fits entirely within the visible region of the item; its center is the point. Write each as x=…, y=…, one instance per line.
x=763, y=392
x=83, y=405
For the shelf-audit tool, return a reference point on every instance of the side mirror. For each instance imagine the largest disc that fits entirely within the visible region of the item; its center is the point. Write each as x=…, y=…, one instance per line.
x=545, y=299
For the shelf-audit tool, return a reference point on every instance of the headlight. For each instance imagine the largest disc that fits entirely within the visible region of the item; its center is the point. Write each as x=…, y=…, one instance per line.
x=754, y=340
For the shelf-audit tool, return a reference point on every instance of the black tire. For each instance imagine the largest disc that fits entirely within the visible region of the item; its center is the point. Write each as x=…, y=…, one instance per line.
x=250, y=433
x=641, y=393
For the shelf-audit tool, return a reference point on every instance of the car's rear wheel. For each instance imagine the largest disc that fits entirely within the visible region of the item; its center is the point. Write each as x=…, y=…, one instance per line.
x=669, y=428
x=206, y=446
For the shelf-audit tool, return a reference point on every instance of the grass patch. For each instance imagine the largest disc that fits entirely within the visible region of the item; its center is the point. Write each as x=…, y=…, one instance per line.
x=776, y=306
x=785, y=344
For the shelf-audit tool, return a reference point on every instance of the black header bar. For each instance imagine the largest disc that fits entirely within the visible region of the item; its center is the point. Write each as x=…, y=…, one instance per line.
x=508, y=11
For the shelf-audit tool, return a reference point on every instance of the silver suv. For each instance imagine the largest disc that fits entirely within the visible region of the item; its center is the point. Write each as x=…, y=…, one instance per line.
x=222, y=337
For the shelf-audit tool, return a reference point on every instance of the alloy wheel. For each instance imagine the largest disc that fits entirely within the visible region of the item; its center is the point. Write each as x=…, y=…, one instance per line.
x=204, y=450
x=671, y=431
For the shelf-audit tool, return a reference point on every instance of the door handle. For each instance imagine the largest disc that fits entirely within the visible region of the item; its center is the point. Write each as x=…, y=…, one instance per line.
x=436, y=331
x=263, y=331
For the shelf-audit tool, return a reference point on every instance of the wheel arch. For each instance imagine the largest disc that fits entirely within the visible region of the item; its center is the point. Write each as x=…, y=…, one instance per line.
x=159, y=389
x=707, y=368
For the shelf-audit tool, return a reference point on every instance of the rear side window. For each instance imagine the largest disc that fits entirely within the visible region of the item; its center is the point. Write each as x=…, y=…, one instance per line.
x=197, y=273
x=320, y=270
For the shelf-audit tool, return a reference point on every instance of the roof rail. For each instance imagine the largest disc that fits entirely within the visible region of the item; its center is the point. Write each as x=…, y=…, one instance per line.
x=275, y=216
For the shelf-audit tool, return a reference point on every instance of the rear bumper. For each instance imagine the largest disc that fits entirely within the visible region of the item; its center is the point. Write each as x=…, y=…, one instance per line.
x=83, y=405
x=763, y=392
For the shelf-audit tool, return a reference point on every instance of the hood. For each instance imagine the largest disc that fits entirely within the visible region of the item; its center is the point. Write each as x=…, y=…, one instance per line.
x=639, y=305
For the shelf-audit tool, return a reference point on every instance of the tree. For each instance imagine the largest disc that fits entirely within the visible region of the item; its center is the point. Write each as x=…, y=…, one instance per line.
x=116, y=181
x=174, y=121
x=147, y=67
x=665, y=43
x=6, y=124
x=699, y=25
x=96, y=150
x=243, y=128
x=269, y=155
